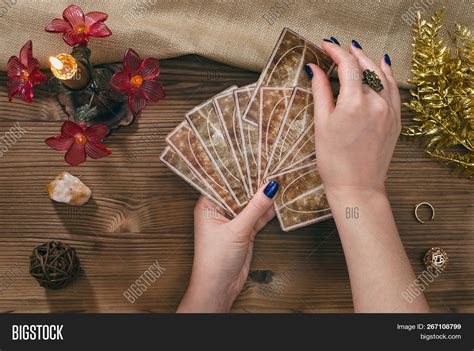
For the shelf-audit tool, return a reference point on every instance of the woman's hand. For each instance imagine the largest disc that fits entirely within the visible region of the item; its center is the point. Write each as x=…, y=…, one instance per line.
x=356, y=137
x=355, y=140
x=223, y=251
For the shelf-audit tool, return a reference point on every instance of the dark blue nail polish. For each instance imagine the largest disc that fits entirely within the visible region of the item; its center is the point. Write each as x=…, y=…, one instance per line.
x=328, y=40
x=309, y=71
x=356, y=44
x=334, y=40
x=271, y=189
x=387, y=59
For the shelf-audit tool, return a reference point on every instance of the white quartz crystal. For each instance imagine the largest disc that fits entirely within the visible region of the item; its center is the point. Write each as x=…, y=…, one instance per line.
x=68, y=189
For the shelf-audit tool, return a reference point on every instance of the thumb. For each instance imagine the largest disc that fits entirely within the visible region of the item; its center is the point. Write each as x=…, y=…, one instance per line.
x=256, y=208
x=322, y=92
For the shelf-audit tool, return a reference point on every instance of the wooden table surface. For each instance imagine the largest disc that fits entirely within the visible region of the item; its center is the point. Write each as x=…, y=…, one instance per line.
x=142, y=213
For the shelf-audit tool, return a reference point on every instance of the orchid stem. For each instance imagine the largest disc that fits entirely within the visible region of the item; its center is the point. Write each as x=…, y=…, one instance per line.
x=90, y=101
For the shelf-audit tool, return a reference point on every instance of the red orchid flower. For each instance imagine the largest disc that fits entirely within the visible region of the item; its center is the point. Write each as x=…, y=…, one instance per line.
x=23, y=73
x=77, y=27
x=80, y=141
x=139, y=80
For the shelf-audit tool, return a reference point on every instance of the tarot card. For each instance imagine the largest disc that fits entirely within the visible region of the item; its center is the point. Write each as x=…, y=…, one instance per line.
x=306, y=209
x=301, y=199
x=170, y=158
x=226, y=111
x=205, y=123
x=273, y=105
x=295, y=139
x=302, y=153
x=250, y=136
x=189, y=148
x=285, y=68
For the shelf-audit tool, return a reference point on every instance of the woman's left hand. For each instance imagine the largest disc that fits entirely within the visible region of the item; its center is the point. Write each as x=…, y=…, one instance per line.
x=223, y=251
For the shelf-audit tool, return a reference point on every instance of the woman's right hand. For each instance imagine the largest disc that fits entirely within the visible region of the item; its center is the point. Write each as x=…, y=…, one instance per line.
x=355, y=137
x=355, y=140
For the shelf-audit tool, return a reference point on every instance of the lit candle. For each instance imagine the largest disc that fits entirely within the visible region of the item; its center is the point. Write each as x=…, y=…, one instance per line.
x=72, y=73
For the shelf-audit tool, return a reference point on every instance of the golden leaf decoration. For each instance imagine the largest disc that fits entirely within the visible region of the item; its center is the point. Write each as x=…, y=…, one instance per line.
x=443, y=94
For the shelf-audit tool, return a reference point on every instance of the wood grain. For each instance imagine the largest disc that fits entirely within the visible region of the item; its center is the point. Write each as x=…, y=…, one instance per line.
x=142, y=213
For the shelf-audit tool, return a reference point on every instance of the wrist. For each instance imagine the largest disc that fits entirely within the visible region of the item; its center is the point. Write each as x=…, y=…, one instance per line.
x=351, y=203
x=353, y=194
x=206, y=296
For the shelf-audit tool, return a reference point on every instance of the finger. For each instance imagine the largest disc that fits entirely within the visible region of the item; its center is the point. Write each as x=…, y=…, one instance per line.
x=256, y=208
x=348, y=70
x=203, y=203
x=263, y=221
x=322, y=92
x=386, y=67
x=206, y=208
x=366, y=63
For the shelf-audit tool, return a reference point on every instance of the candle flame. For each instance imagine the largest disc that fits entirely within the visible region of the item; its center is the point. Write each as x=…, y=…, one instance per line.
x=63, y=66
x=56, y=63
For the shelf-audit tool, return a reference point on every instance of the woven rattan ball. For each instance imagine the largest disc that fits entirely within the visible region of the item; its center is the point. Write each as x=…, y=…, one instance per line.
x=54, y=265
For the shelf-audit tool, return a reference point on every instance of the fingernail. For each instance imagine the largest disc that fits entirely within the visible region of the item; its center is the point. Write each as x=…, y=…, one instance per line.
x=328, y=40
x=271, y=189
x=309, y=71
x=356, y=44
x=334, y=40
x=387, y=59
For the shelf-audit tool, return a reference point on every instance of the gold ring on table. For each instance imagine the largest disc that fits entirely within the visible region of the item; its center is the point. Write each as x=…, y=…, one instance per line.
x=427, y=204
x=371, y=79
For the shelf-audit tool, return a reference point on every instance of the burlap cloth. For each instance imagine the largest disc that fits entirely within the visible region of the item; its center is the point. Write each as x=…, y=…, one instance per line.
x=238, y=32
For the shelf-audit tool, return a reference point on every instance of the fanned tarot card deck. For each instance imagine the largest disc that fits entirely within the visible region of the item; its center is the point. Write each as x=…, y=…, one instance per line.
x=237, y=141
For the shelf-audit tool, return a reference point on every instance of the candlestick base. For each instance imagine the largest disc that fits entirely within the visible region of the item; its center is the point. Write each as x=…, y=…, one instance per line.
x=97, y=103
